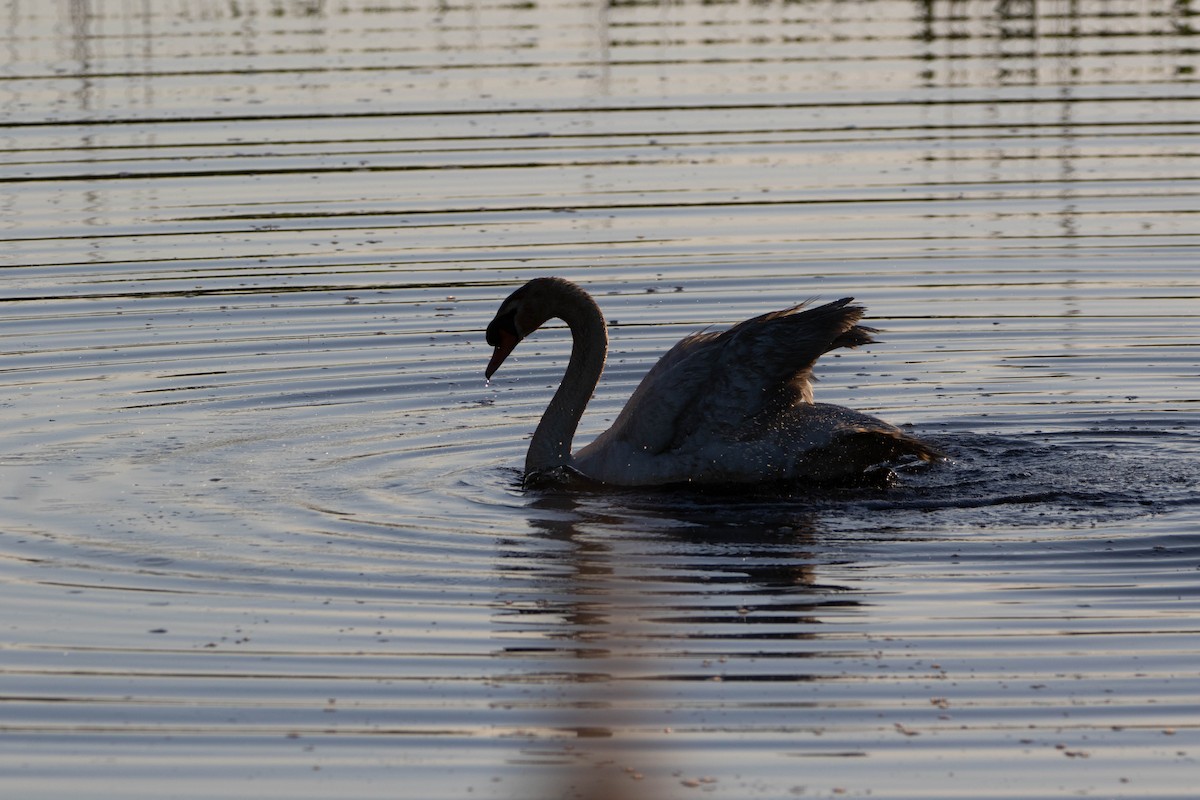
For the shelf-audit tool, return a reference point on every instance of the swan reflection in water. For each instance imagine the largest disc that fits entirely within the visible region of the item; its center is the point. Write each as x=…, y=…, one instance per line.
x=616, y=602
x=719, y=408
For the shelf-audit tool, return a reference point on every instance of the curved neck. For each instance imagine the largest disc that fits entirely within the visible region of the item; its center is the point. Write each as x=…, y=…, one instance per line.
x=551, y=445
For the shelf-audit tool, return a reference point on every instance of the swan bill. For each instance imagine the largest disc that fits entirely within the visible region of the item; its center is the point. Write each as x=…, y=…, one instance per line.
x=504, y=343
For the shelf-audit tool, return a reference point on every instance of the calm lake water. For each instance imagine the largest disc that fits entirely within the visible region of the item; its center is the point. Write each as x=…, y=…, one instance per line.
x=261, y=530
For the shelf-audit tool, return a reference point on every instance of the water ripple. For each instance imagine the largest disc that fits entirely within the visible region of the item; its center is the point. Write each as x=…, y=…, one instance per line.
x=263, y=517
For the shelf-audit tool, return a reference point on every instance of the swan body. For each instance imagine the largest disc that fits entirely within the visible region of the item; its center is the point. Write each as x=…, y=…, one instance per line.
x=729, y=407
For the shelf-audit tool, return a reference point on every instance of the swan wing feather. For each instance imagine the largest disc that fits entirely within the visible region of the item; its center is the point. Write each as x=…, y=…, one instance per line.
x=648, y=420
x=711, y=384
x=766, y=362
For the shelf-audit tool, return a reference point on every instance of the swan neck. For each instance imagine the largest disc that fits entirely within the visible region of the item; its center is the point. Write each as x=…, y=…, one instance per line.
x=551, y=445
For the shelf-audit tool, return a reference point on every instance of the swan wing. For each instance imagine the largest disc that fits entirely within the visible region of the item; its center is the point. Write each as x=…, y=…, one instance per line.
x=715, y=385
x=647, y=422
x=765, y=364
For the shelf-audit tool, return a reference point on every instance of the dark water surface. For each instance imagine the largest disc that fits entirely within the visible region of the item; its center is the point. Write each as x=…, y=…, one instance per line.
x=261, y=533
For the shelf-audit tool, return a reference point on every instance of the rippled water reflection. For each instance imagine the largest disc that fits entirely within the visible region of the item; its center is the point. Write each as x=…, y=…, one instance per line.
x=262, y=531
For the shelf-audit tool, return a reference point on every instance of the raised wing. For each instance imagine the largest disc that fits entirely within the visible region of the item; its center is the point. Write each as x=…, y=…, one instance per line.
x=719, y=384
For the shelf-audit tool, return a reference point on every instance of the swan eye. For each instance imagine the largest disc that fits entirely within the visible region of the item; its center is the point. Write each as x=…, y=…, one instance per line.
x=502, y=327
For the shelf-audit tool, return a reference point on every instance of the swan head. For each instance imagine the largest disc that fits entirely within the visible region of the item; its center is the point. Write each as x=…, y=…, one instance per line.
x=535, y=303
x=521, y=313
x=502, y=334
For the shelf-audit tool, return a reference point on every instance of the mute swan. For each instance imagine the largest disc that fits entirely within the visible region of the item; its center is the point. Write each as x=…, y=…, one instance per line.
x=732, y=407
